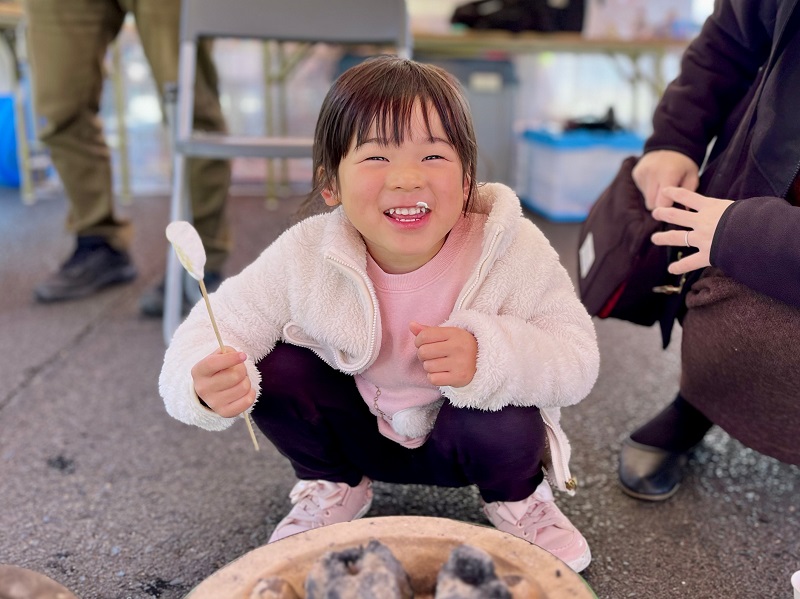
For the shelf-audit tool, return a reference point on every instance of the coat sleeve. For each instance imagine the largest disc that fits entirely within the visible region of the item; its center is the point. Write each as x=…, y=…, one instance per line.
x=250, y=310
x=756, y=244
x=536, y=342
x=717, y=70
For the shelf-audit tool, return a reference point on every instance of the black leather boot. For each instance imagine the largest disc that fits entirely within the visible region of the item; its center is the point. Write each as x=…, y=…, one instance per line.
x=94, y=265
x=650, y=473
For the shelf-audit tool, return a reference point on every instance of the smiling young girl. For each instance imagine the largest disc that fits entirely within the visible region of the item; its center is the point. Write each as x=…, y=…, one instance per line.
x=421, y=332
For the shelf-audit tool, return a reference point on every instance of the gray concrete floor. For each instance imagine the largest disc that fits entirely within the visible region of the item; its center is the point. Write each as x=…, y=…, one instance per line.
x=102, y=491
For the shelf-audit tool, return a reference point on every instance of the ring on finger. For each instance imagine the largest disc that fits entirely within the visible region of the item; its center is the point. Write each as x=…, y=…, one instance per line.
x=686, y=238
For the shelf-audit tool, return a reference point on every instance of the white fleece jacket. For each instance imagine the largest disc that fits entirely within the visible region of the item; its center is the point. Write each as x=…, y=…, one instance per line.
x=536, y=342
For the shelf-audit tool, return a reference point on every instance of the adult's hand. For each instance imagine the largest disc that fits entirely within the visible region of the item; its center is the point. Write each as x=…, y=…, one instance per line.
x=664, y=168
x=700, y=222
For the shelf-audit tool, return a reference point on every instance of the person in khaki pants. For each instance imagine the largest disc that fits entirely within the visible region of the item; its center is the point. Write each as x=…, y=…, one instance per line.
x=68, y=40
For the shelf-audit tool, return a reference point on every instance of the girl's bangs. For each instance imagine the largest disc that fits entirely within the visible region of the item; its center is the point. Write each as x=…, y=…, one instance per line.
x=389, y=119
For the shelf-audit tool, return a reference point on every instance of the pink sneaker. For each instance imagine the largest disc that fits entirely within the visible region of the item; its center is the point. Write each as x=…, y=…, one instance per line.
x=538, y=520
x=320, y=503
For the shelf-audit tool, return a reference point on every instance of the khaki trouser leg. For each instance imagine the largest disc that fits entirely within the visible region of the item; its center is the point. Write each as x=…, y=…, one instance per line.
x=158, y=24
x=68, y=40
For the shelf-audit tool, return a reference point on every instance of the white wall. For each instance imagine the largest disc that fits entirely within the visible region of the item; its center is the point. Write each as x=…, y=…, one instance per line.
x=554, y=87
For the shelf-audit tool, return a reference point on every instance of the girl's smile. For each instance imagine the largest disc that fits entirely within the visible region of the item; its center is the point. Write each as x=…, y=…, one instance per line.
x=409, y=215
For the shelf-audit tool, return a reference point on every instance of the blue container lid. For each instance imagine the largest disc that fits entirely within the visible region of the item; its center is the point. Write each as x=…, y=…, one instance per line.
x=585, y=138
x=9, y=165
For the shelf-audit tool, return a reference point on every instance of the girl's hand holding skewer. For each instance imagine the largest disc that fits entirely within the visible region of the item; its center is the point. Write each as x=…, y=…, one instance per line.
x=221, y=378
x=221, y=382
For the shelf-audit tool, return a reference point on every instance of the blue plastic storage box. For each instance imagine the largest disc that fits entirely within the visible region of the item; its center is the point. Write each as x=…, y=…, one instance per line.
x=561, y=174
x=9, y=165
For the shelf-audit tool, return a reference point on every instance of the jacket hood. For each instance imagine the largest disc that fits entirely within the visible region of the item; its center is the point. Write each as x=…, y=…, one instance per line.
x=504, y=209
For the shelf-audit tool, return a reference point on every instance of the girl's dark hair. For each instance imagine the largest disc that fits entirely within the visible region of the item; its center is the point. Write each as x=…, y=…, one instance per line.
x=383, y=91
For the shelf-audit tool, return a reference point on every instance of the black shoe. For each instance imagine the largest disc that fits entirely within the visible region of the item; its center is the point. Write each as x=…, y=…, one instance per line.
x=152, y=301
x=650, y=473
x=93, y=266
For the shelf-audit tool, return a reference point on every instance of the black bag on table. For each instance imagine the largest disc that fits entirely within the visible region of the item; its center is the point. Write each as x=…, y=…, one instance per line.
x=521, y=15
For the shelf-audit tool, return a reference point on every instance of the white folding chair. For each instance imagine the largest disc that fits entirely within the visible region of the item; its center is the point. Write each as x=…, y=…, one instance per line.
x=374, y=22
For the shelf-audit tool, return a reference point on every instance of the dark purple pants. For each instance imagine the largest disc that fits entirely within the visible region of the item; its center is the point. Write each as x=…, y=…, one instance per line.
x=315, y=416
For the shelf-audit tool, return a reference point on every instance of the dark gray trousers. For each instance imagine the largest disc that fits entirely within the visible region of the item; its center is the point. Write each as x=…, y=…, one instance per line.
x=315, y=416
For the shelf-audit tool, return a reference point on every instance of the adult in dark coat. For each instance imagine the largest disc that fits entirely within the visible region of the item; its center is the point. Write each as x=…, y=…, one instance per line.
x=737, y=91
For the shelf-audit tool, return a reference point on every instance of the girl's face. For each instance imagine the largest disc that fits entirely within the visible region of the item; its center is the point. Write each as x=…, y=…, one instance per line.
x=379, y=185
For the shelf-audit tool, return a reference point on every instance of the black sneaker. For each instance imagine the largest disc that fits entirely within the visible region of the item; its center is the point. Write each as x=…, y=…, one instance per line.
x=93, y=266
x=152, y=301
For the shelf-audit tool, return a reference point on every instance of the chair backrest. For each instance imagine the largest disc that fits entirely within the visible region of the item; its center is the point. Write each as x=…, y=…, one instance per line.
x=330, y=21
x=378, y=22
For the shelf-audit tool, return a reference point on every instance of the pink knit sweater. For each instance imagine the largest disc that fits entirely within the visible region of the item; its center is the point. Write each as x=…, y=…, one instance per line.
x=396, y=380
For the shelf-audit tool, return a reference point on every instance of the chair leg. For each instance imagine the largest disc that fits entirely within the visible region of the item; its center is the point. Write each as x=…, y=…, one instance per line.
x=173, y=284
x=118, y=80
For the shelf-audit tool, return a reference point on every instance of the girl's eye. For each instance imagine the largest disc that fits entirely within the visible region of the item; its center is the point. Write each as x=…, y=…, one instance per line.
x=432, y=157
x=375, y=158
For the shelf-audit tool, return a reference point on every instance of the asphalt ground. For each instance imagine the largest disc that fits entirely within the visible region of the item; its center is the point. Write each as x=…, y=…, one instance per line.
x=103, y=492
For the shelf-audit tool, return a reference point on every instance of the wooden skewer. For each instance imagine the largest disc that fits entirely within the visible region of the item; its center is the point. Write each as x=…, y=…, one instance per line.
x=222, y=347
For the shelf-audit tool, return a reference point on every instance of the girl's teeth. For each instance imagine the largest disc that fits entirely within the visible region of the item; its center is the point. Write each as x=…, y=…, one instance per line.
x=409, y=211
